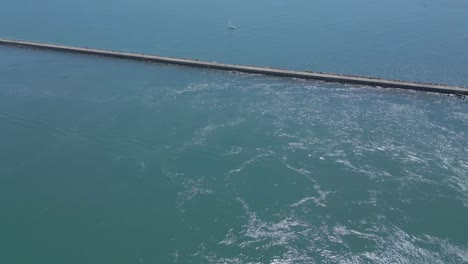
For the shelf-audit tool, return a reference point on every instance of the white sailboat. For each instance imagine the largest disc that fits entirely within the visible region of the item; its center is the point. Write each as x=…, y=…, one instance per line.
x=231, y=26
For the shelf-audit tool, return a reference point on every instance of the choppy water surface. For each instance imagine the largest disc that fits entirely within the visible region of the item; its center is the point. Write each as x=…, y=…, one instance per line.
x=109, y=161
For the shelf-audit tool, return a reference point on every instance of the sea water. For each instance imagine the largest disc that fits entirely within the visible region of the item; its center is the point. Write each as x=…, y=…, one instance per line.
x=113, y=161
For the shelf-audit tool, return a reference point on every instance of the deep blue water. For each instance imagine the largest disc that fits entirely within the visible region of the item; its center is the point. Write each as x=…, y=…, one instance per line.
x=114, y=161
x=421, y=40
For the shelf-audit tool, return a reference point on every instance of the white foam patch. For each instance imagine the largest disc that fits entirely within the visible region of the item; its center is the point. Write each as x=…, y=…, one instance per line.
x=273, y=233
x=295, y=240
x=318, y=200
x=198, y=88
x=296, y=145
x=251, y=161
x=243, y=165
x=202, y=134
x=191, y=189
x=299, y=170
x=233, y=151
x=461, y=116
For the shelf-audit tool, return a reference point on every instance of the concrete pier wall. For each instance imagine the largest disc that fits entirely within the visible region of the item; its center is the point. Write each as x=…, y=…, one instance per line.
x=247, y=69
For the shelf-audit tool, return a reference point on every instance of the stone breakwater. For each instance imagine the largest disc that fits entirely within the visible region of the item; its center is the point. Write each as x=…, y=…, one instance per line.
x=328, y=77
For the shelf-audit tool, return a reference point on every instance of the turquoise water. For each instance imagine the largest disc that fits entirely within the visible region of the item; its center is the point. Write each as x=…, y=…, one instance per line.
x=112, y=161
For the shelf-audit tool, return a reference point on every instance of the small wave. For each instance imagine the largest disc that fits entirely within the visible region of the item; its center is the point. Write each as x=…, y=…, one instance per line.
x=233, y=151
x=191, y=189
x=298, y=170
x=202, y=134
x=318, y=201
x=22, y=120
x=256, y=158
